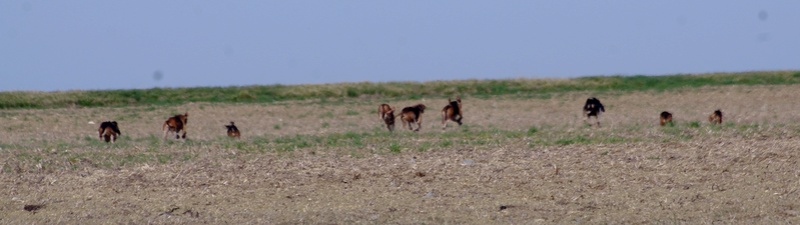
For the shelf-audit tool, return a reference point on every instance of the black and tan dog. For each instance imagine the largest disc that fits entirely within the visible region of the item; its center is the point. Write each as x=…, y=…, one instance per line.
x=176, y=124
x=715, y=117
x=593, y=107
x=109, y=131
x=233, y=131
x=412, y=114
x=665, y=118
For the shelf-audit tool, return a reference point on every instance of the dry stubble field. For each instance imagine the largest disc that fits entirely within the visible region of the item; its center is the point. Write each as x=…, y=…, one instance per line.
x=515, y=161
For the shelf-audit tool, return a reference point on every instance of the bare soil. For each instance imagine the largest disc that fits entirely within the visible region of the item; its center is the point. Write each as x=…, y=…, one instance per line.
x=515, y=161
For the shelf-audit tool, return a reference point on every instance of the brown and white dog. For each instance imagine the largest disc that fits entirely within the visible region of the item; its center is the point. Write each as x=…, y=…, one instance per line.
x=412, y=114
x=452, y=112
x=386, y=113
x=716, y=117
x=665, y=118
x=233, y=131
x=108, y=131
x=176, y=124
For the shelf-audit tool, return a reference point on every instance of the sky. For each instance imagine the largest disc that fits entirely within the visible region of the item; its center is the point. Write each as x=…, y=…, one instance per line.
x=101, y=44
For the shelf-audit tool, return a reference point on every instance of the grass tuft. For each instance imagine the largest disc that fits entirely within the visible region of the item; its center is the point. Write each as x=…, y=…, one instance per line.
x=532, y=130
x=394, y=147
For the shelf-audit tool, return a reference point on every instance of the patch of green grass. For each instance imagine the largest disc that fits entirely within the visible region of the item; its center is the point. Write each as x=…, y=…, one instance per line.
x=163, y=158
x=327, y=114
x=133, y=159
x=288, y=144
x=694, y=124
x=28, y=156
x=7, y=147
x=715, y=127
x=355, y=138
x=582, y=139
x=394, y=147
x=90, y=139
x=532, y=130
x=613, y=140
x=572, y=140
x=128, y=116
x=445, y=143
x=186, y=156
x=351, y=139
x=424, y=146
x=747, y=127
x=58, y=145
x=465, y=128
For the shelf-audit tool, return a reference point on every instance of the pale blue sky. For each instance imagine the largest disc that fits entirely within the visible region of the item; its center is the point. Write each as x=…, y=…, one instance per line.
x=68, y=45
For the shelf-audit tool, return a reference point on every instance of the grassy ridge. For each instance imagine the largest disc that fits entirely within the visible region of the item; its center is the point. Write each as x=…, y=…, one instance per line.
x=270, y=93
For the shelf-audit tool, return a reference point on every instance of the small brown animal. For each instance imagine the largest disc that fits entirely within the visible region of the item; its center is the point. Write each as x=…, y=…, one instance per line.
x=412, y=114
x=108, y=131
x=593, y=107
x=233, y=131
x=32, y=208
x=452, y=111
x=176, y=124
x=665, y=118
x=386, y=113
x=716, y=117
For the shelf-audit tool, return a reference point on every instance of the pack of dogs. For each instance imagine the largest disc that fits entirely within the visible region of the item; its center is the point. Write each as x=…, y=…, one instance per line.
x=410, y=117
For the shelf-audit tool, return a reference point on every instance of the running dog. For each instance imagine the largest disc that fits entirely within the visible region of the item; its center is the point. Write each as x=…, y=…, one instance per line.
x=665, y=118
x=412, y=114
x=593, y=107
x=108, y=131
x=176, y=124
x=452, y=112
x=233, y=131
x=386, y=113
x=716, y=117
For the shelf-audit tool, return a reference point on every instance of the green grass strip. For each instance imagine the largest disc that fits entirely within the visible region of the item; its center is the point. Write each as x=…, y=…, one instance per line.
x=409, y=90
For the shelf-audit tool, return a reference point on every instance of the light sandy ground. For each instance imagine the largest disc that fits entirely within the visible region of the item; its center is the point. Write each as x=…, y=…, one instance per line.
x=489, y=171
